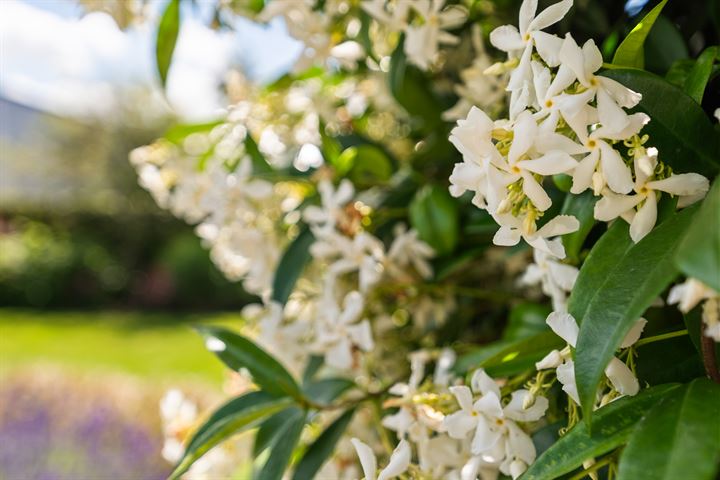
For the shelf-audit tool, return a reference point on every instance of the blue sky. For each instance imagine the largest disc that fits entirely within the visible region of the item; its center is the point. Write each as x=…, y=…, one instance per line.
x=60, y=61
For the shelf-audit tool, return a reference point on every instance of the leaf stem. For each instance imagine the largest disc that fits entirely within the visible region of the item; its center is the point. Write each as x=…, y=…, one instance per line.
x=658, y=338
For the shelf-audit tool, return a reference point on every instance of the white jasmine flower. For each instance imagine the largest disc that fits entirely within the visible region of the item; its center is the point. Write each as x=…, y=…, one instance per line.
x=333, y=202
x=556, y=279
x=408, y=250
x=512, y=229
x=688, y=186
x=339, y=330
x=689, y=294
x=397, y=465
x=422, y=41
x=611, y=96
x=620, y=376
x=392, y=14
x=495, y=435
x=363, y=254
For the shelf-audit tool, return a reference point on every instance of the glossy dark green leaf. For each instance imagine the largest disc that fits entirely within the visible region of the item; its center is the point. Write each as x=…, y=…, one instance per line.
x=322, y=448
x=291, y=265
x=581, y=207
x=509, y=357
x=698, y=77
x=602, y=259
x=282, y=450
x=678, y=438
x=167, y=34
x=328, y=389
x=315, y=362
x=611, y=428
x=434, y=214
x=680, y=129
x=679, y=71
x=664, y=46
x=606, y=314
x=698, y=255
x=238, y=352
x=630, y=53
x=235, y=416
x=271, y=429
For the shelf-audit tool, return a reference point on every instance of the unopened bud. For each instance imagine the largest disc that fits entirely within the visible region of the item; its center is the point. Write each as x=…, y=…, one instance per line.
x=598, y=183
x=529, y=226
x=528, y=401
x=505, y=205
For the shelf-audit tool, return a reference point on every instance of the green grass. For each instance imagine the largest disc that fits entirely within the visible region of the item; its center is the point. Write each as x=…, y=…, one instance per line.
x=155, y=346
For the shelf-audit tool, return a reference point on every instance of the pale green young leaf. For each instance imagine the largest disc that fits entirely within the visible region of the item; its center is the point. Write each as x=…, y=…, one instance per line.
x=166, y=39
x=630, y=53
x=699, y=75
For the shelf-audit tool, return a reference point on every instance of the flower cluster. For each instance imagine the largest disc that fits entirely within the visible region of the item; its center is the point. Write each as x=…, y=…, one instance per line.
x=564, y=120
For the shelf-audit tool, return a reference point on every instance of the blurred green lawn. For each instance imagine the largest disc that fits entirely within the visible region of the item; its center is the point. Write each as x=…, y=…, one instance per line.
x=150, y=345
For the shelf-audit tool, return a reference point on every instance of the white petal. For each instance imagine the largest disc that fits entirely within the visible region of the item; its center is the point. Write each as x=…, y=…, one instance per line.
x=616, y=173
x=549, y=164
x=622, y=377
x=571, y=55
x=551, y=360
x=612, y=205
x=485, y=437
x=682, y=184
x=551, y=247
x=520, y=444
x=506, y=38
x=541, y=79
x=482, y=383
x=593, y=57
x=399, y=422
x=515, y=410
x=367, y=458
x=634, y=334
x=506, y=236
x=524, y=130
x=535, y=192
x=563, y=79
x=559, y=225
x=645, y=218
x=564, y=326
x=566, y=376
x=527, y=13
x=340, y=355
x=458, y=424
x=490, y=405
x=463, y=395
x=622, y=95
x=399, y=461
x=552, y=14
x=582, y=176
x=353, y=306
x=361, y=335
x=564, y=275
x=609, y=111
x=548, y=47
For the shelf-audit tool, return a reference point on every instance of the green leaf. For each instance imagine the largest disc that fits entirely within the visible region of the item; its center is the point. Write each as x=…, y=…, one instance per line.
x=271, y=428
x=630, y=53
x=606, y=314
x=328, y=389
x=680, y=129
x=664, y=46
x=509, y=357
x=238, y=352
x=322, y=448
x=698, y=255
x=291, y=265
x=581, y=207
x=282, y=450
x=237, y=415
x=700, y=74
x=369, y=165
x=678, y=438
x=410, y=87
x=611, y=428
x=434, y=214
x=679, y=71
x=602, y=259
x=178, y=133
x=167, y=34
x=526, y=319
